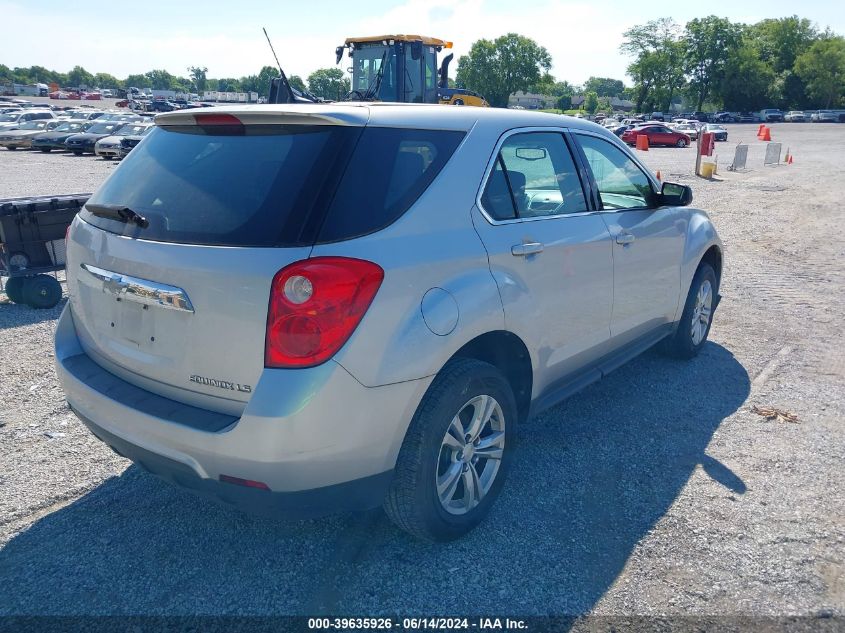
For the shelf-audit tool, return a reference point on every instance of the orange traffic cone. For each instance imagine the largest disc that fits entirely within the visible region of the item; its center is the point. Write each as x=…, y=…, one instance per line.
x=760, y=130
x=659, y=176
x=767, y=134
x=642, y=142
x=789, y=160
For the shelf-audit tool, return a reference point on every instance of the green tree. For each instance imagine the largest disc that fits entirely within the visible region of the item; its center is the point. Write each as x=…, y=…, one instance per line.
x=591, y=101
x=199, y=77
x=265, y=75
x=137, y=81
x=604, y=86
x=229, y=84
x=328, y=83
x=748, y=81
x=657, y=69
x=160, y=79
x=295, y=81
x=498, y=68
x=105, y=80
x=822, y=68
x=79, y=77
x=249, y=83
x=710, y=42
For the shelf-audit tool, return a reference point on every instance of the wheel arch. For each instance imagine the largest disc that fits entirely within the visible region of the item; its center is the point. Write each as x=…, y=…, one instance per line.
x=508, y=353
x=713, y=256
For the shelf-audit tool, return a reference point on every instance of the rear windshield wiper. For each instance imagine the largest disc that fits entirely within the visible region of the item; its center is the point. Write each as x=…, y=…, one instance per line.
x=118, y=212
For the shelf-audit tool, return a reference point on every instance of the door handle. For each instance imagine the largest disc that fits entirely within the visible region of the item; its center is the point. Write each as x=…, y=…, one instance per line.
x=527, y=248
x=625, y=238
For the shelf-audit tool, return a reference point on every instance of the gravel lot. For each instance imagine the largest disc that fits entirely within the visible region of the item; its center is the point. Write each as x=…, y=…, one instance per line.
x=656, y=491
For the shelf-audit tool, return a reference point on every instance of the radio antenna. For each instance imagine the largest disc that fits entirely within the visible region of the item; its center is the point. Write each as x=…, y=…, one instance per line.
x=273, y=50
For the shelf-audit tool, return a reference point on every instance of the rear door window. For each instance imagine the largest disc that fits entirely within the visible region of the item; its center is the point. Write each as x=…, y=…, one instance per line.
x=534, y=176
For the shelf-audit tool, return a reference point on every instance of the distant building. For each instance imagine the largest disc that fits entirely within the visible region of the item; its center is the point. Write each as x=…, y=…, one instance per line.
x=531, y=100
x=615, y=103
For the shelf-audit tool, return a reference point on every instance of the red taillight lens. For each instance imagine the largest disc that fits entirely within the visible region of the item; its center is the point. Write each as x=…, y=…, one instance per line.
x=315, y=305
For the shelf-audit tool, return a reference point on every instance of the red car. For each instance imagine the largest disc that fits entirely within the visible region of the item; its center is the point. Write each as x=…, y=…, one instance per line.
x=657, y=135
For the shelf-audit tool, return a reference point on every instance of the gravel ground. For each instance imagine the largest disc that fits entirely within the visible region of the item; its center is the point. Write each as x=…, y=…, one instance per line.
x=656, y=491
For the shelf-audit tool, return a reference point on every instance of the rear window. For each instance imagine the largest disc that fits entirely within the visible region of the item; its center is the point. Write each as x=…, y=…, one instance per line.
x=271, y=185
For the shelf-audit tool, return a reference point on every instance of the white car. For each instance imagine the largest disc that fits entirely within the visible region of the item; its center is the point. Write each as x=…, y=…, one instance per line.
x=14, y=120
x=795, y=116
x=109, y=146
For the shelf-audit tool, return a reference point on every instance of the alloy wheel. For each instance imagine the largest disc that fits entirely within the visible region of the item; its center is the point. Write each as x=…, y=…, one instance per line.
x=470, y=455
x=701, y=313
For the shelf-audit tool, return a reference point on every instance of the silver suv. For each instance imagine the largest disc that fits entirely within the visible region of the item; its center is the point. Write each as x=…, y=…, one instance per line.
x=316, y=308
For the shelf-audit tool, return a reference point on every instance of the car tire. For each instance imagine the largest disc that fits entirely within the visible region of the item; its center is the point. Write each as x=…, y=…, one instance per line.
x=46, y=150
x=681, y=143
x=77, y=152
x=42, y=292
x=14, y=289
x=692, y=331
x=464, y=391
x=11, y=148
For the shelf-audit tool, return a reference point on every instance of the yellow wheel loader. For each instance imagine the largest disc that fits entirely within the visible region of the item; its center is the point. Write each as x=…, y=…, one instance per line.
x=394, y=68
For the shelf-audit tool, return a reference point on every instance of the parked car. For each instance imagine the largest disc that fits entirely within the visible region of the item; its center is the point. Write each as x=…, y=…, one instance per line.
x=703, y=117
x=22, y=137
x=375, y=338
x=79, y=115
x=771, y=115
x=687, y=128
x=162, y=105
x=748, y=117
x=14, y=120
x=658, y=116
x=657, y=135
x=124, y=117
x=795, y=116
x=109, y=147
x=83, y=143
x=719, y=131
x=723, y=117
x=55, y=138
x=127, y=143
x=825, y=116
x=618, y=130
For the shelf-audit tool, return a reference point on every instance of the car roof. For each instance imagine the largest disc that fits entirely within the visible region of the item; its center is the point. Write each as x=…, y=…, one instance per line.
x=407, y=115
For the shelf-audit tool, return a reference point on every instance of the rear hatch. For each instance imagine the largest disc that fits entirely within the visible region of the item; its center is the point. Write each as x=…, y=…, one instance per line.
x=170, y=263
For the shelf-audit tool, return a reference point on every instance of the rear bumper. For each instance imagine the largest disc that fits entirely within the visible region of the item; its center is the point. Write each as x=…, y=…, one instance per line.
x=360, y=494
x=318, y=439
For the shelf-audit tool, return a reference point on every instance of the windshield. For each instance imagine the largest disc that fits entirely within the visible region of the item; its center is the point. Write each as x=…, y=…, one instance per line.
x=367, y=61
x=68, y=127
x=131, y=130
x=33, y=125
x=104, y=128
x=9, y=118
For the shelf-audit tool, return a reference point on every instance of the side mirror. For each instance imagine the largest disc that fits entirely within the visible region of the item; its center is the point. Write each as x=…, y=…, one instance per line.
x=675, y=195
x=339, y=52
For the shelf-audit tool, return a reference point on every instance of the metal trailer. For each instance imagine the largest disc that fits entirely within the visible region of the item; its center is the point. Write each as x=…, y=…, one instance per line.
x=32, y=245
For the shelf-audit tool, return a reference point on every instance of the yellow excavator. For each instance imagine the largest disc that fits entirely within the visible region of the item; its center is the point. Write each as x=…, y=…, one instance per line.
x=393, y=68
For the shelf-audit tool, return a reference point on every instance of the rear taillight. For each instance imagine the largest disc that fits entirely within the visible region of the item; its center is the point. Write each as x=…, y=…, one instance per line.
x=315, y=305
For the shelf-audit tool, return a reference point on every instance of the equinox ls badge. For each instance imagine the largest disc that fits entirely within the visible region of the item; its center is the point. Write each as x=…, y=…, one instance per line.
x=221, y=384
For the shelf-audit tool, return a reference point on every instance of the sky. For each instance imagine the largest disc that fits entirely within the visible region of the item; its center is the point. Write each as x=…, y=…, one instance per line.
x=123, y=38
